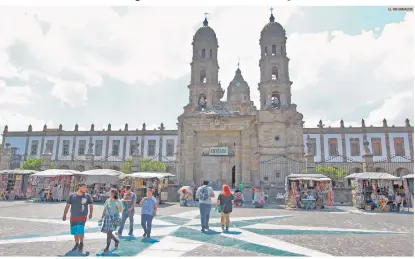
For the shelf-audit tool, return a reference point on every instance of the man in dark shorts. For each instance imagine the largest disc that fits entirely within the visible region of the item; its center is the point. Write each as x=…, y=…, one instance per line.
x=78, y=202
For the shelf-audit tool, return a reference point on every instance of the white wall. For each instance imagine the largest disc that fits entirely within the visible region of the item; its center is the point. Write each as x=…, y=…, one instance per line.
x=392, y=145
x=317, y=157
x=39, y=139
x=382, y=137
x=164, y=152
x=146, y=139
x=348, y=150
x=55, y=143
x=121, y=151
x=127, y=150
x=104, y=145
x=339, y=147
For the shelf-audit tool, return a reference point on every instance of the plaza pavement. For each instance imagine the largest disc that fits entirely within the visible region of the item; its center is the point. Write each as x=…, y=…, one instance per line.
x=36, y=229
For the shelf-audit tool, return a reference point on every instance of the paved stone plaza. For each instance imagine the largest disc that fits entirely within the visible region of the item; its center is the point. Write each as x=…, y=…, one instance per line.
x=36, y=229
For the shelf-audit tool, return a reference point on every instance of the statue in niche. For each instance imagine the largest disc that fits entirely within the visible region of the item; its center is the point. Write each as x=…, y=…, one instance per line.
x=275, y=101
x=60, y=127
x=144, y=126
x=109, y=127
x=76, y=127
x=92, y=127
x=202, y=103
x=29, y=128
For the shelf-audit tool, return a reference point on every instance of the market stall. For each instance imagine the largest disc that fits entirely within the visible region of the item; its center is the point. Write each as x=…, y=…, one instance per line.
x=100, y=181
x=51, y=184
x=158, y=181
x=308, y=191
x=13, y=183
x=408, y=184
x=374, y=190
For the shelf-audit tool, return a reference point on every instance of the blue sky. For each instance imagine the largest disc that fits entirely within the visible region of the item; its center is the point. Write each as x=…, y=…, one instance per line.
x=128, y=64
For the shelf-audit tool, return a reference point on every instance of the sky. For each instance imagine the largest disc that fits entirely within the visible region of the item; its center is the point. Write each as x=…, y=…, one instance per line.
x=84, y=65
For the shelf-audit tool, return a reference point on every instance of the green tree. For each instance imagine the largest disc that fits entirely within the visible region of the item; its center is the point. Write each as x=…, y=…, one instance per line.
x=333, y=173
x=146, y=165
x=35, y=164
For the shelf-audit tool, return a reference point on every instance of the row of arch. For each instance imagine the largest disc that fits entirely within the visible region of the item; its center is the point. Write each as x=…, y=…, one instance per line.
x=274, y=51
x=203, y=53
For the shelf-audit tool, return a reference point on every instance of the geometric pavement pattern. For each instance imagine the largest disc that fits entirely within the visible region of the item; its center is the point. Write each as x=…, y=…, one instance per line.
x=178, y=234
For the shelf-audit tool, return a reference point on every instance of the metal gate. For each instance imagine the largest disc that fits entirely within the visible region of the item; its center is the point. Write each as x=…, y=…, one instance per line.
x=274, y=169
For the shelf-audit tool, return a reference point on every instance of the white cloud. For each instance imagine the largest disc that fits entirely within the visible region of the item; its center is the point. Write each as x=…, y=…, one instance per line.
x=18, y=121
x=149, y=44
x=17, y=95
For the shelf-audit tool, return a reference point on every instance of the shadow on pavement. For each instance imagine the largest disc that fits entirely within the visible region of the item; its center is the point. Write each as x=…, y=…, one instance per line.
x=232, y=232
x=74, y=254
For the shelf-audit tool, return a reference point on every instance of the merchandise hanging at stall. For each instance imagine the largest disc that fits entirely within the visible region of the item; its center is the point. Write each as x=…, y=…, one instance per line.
x=51, y=184
x=100, y=181
x=158, y=181
x=308, y=191
x=376, y=190
x=13, y=184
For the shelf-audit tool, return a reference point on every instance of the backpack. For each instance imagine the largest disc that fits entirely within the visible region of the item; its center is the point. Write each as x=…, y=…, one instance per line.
x=204, y=193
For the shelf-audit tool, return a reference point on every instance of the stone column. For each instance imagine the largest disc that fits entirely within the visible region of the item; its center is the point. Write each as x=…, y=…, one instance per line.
x=309, y=157
x=136, y=158
x=47, y=157
x=238, y=163
x=246, y=171
x=90, y=153
x=368, y=165
x=189, y=158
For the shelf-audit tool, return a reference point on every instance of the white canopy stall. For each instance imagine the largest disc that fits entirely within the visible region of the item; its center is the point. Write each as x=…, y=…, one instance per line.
x=158, y=181
x=52, y=184
x=100, y=181
x=13, y=183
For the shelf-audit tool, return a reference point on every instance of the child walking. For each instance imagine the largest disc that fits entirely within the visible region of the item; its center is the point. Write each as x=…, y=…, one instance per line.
x=148, y=211
x=111, y=218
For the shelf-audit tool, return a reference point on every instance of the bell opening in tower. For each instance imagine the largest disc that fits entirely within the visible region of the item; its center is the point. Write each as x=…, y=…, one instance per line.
x=274, y=75
x=203, y=77
x=275, y=100
x=202, y=102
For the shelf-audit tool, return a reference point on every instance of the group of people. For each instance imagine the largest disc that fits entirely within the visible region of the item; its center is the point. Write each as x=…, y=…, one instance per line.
x=393, y=200
x=81, y=206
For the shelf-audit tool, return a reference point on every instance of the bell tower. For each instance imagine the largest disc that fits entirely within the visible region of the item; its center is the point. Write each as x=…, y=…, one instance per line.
x=275, y=85
x=204, y=87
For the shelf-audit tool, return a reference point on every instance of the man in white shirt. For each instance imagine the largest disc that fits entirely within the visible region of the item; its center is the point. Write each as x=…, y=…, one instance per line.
x=205, y=194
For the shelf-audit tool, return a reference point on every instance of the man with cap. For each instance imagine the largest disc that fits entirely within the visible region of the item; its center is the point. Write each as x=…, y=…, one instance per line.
x=129, y=201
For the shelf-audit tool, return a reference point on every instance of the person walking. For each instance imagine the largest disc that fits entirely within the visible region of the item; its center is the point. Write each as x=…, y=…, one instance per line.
x=78, y=203
x=129, y=201
x=148, y=211
x=110, y=218
x=205, y=194
x=224, y=205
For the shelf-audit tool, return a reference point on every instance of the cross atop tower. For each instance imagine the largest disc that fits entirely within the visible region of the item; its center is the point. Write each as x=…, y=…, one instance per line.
x=271, y=18
x=238, y=61
x=205, y=22
x=271, y=9
x=206, y=14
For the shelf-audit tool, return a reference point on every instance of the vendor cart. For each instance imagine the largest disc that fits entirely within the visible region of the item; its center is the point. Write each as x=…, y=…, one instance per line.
x=158, y=181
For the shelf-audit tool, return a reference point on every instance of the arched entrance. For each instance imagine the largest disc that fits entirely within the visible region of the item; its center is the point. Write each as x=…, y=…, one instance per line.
x=233, y=177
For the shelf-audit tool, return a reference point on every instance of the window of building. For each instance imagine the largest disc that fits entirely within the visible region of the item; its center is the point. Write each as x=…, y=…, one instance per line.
x=81, y=147
x=210, y=54
x=203, y=53
x=376, y=146
x=274, y=75
x=34, y=147
x=399, y=146
x=203, y=77
x=266, y=51
x=313, y=146
x=65, y=148
x=49, y=143
x=274, y=50
x=170, y=147
x=355, y=147
x=333, y=147
x=132, y=146
x=115, y=148
x=151, y=150
x=98, y=147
